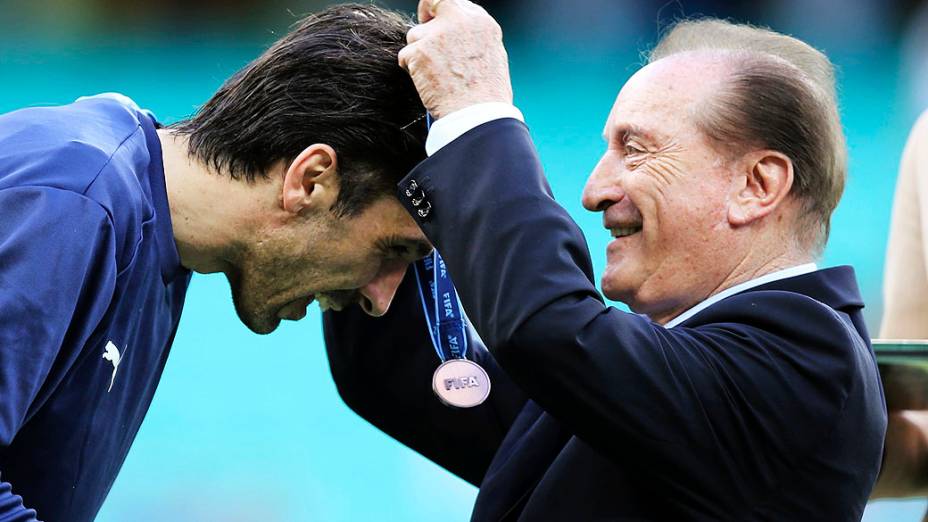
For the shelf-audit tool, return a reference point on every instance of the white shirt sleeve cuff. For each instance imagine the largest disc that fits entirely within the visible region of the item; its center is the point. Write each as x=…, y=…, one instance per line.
x=451, y=127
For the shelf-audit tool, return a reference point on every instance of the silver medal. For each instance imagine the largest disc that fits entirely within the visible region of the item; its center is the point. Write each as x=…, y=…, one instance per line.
x=461, y=383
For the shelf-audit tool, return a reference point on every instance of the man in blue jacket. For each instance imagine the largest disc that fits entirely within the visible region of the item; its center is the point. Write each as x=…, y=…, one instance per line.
x=746, y=389
x=283, y=181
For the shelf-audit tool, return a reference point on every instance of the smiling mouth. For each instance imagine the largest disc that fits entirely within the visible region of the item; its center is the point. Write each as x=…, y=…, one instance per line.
x=620, y=232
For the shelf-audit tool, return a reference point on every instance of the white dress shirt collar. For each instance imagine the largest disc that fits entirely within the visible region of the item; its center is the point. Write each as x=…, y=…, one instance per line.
x=728, y=292
x=449, y=128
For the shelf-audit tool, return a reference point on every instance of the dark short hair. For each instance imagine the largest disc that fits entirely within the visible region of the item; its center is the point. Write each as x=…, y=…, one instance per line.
x=780, y=96
x=333, y=79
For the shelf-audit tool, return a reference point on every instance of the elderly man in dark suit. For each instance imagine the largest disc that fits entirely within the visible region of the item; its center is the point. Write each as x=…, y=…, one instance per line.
x=744, y=388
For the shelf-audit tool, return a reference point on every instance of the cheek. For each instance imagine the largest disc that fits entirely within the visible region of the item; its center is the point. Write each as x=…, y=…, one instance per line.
x=346, y=269
x=690, y=209
x=681, y=223
x=692, y=236
x=281, y=271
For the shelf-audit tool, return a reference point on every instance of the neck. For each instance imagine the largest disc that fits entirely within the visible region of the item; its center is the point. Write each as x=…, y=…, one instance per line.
x=755, y=263
x=208, y=210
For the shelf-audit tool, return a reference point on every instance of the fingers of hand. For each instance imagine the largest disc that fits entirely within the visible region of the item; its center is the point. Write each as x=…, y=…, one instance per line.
x=426, y=10
x=407, y=54
x=429, y=9
x=416, y=33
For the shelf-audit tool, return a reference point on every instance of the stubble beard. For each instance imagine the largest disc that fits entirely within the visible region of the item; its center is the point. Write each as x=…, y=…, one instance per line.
x=252, y=309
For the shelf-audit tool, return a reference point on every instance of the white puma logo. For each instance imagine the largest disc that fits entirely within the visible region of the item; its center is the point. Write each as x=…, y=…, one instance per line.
x=112, y=354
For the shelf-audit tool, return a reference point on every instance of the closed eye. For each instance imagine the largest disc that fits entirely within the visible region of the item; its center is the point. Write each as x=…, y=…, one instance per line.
x=404, y=249
x=399, y=251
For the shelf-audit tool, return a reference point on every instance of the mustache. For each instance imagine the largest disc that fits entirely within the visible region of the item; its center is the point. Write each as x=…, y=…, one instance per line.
x=337, y=300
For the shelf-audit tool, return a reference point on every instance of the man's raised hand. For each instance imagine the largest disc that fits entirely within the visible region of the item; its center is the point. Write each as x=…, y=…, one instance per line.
x=456, y=57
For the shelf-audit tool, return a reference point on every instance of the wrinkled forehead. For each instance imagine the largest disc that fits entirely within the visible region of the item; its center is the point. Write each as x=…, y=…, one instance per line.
x=662, y=97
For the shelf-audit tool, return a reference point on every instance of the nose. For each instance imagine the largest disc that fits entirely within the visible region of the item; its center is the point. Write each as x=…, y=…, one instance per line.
x=377, y=295
x=603, y=188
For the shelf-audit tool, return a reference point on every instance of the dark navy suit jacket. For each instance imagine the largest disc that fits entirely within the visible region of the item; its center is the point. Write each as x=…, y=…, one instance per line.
x=764, y=406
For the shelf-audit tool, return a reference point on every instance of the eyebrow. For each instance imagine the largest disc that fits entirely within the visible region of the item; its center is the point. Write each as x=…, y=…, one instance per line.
x=630, y=130
x=419, y=247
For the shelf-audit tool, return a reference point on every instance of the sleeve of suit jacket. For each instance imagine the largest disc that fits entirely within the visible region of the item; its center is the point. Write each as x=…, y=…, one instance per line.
x=627, y=386
x=383, y=370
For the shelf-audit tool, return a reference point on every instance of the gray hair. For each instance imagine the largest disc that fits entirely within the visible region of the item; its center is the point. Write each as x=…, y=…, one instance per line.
x=781, y=96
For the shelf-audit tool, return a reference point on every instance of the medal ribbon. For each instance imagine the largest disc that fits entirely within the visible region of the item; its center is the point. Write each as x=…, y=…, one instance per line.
x=440, y=303
x=442, y=308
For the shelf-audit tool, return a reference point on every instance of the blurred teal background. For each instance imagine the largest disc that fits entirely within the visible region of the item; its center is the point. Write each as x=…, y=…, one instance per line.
x=250, y=428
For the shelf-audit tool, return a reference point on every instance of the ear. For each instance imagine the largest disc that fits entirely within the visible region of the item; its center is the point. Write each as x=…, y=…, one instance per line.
x=311, y=180
x=759, y=188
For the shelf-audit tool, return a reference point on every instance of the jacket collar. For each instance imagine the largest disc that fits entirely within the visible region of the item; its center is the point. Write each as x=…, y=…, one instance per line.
x=835, y=287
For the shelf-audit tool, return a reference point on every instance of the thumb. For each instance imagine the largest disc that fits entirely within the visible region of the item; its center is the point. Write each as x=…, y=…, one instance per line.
x=429, y=9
